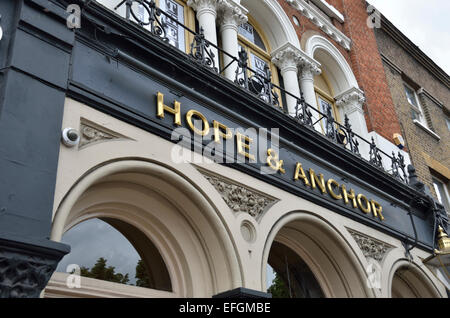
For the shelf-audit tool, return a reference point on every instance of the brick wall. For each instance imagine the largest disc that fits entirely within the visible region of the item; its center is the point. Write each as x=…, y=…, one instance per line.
x=422, y=145
x=364, y=60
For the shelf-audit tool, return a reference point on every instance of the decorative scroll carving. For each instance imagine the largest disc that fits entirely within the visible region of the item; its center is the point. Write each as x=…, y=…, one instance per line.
x=93, y=133
x=24, y=275
x=240, y=198
x=371, y=248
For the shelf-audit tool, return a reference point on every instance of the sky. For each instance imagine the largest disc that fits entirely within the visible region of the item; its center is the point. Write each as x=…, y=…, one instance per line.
x=425, y=23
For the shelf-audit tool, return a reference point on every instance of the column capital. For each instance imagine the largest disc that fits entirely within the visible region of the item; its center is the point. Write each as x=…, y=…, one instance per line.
x=309, y=68
x=231, y=14
x=204, y=5
x=351, y=99
x=287, y=57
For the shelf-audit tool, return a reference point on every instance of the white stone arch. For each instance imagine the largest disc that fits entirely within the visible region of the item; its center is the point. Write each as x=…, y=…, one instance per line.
x=192, y=239
x=274, y=22
x=339, y=72
x=326, y=251
x=414, y=274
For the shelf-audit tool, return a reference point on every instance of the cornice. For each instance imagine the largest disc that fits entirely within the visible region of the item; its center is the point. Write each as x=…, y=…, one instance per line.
x=315, y=17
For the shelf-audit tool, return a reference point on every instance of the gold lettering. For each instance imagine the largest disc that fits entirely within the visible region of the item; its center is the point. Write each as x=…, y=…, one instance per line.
x=330, y=189
x=300, y=173
x=348, y=195
x=205, y=129
x=243, y=142
x=218, y=132
x=176, y=111
x=273, y=162
x=377, y=209
x=367, y=208
x=316, y=181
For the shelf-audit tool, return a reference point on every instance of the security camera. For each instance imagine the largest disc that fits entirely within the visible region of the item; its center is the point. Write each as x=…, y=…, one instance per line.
x=70, y=137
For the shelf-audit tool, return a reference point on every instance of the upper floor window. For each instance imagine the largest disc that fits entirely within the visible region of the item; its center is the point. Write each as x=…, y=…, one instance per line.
x=442, y=193
x=252, y=40
x=416, y=109
x=176, y=10
x=325, y=101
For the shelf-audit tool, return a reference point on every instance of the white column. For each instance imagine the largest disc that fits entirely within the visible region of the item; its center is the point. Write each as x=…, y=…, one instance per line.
x=206, y=16
x=350, y=103
x=286, y=59
x=308, y=69
x=231, y=15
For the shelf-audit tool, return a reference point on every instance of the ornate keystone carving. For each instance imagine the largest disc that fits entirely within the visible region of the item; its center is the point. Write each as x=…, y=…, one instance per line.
x=371, y=248
x=92, y=133
x=240, y=198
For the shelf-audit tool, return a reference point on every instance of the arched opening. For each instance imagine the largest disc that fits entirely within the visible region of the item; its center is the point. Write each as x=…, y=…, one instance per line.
x=112, y=250
x=337, y=77
x=292, y=278
x=409, y=282
x=322, y=263
x=274, y=22
x=167, y=220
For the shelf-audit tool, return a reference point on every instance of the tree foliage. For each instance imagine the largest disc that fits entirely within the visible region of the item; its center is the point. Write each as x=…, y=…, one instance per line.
x=101, y=271
x=142, y=278
x=278, y=289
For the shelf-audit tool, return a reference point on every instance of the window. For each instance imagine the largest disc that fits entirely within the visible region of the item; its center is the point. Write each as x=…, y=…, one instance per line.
x=177, y=10
x=416, y=109
x=253, y=42
x=325, y=101
x=442, y=193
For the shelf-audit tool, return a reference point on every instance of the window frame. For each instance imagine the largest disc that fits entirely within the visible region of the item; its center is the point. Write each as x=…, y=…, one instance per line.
x=320, y=93
x=418, y=109
x=189, y=22
x=252, y=48
x=441, y=196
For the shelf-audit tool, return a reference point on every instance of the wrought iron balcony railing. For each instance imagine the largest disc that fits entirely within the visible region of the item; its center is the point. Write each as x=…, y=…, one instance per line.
x=260, y=84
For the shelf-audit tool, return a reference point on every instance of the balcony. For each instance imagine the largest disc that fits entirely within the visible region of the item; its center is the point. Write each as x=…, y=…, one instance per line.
x=258, y=83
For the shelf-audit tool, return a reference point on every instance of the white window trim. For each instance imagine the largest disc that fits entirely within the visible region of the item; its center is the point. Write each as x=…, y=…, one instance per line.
x=444, y=186
x=428, y=130
x=417, y=108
